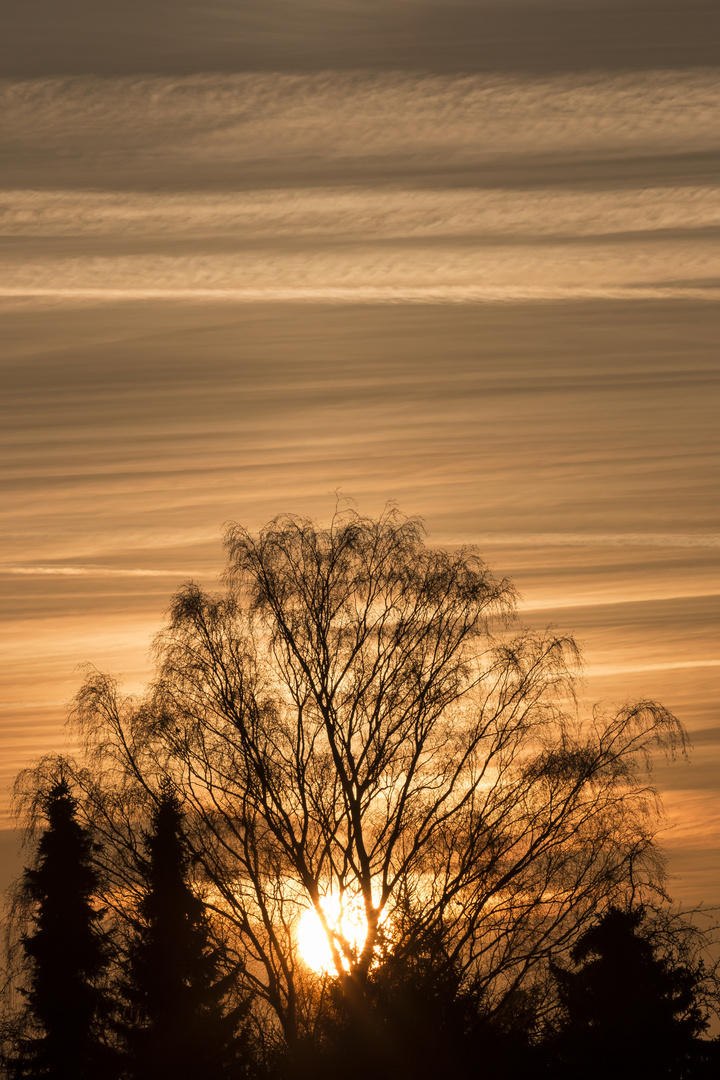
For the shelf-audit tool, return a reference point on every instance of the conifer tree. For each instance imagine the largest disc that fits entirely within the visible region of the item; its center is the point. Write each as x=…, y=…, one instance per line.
x=177, y=1021
x=65, y=952
x=629, y=1011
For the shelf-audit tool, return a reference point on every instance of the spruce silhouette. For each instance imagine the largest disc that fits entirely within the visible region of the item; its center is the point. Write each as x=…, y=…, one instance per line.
x=66, y=952
x=176, y=1019
x=629, y=1012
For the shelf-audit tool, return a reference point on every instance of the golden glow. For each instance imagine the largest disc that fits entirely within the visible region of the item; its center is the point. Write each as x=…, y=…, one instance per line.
x=346, y=922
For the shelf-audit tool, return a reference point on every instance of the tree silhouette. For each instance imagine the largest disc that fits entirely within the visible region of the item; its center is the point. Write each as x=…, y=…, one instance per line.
x=360, y=715
x=65, y=953
x=628, y=1010
x=177, y=1021
x=417, y=1017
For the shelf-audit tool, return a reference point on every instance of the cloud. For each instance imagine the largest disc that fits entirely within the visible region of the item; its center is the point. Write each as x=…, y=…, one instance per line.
x=84, y=36
x=88, y=571
x=360, y=188
x=250, y=130
x=669, y=665
x=649, y=539
x=353, y=214
x=374, y=273
x=362, y=294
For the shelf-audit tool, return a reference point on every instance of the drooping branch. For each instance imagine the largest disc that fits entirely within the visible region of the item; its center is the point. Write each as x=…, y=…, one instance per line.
x=361, y=714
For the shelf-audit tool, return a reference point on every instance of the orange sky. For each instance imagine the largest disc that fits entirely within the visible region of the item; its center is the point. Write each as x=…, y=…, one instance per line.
x=481, y=283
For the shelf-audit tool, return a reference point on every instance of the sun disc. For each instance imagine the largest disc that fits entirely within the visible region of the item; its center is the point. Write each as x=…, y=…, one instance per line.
x=346, y=921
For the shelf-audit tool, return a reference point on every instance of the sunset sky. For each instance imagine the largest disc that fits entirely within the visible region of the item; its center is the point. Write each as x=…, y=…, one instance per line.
x=460, y=255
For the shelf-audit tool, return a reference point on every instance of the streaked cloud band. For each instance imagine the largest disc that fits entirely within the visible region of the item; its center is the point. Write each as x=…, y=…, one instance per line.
x=370, y=294
x=358, y=213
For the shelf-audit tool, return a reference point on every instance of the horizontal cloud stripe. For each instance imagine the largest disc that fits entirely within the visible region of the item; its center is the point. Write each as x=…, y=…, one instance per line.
x=377, y=294
x=363, y=213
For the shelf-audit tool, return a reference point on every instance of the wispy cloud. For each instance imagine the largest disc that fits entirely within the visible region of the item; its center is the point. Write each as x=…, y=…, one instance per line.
x=238, y=131
x=670, y=665
x=363, y=294
x=89, y=571
x=353, y=214
x=590, y=539
x=389, y=272
x=360, y=188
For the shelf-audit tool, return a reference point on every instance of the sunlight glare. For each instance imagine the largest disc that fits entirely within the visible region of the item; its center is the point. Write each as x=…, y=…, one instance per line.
x=346, y=919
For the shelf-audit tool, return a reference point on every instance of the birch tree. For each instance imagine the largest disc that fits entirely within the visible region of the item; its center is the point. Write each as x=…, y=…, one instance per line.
x=360, y=727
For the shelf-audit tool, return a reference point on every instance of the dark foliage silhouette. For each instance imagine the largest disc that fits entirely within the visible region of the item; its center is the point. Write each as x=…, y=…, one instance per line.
x=417, y=1017
x=629, y=1011
x=177, y=1019
x=65, y=953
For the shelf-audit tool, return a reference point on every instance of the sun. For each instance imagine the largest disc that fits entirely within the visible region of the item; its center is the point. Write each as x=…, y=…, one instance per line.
x=346, y=919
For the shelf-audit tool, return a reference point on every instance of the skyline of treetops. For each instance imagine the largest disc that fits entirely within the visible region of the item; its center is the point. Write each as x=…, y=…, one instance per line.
x=390, y=832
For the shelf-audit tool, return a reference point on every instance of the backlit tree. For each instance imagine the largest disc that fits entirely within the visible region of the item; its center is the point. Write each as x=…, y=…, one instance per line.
x=359, y=723
x=177, y=1019
x=628, y=1009
x=64, y=952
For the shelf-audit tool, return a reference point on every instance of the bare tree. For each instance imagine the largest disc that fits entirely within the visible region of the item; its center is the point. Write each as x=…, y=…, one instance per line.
x=360, y=715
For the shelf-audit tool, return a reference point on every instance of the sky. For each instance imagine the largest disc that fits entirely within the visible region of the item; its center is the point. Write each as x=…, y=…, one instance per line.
x=458, y=255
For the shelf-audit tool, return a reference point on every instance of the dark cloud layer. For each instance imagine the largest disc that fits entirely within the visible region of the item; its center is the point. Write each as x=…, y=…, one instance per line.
x=59, y=37
x=258, y=131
